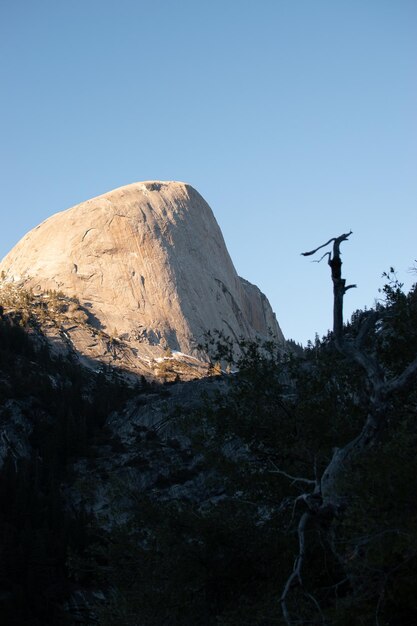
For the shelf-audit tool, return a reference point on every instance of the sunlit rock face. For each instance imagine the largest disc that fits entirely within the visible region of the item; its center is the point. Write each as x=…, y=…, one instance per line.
x=149, y=263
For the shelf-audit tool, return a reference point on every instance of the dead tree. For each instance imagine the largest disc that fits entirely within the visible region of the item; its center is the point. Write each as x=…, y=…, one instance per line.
x=324, y=499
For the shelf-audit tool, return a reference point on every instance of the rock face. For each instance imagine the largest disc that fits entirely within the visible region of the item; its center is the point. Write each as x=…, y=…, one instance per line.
x=149, y=264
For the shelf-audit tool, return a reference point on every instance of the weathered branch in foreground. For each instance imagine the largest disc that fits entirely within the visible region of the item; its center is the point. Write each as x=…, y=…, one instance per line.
x=380, y=387
x=325, y=499
x=295, y=576
x=294, y=479
x=339, y=283
x=403, y=379
x=334, y=239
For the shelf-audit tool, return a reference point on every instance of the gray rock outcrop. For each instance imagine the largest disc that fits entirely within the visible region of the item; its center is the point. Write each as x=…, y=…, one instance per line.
x=149, y=264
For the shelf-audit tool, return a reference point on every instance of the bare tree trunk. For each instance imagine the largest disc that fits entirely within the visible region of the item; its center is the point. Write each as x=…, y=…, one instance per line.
x=325, y=498
x=380, y=388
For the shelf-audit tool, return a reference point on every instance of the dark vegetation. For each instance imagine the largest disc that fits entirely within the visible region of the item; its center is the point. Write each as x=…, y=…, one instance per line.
x=63, y=408
x=227, y=560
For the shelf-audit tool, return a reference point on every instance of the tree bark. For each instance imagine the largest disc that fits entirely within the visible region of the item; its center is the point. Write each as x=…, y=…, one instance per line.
x=325, y=498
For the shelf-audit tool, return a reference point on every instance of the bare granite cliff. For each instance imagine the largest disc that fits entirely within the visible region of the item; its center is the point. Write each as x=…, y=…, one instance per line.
x=149, y=264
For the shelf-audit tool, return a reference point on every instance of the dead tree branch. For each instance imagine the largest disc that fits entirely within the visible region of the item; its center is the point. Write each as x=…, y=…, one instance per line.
x=325, y=499
x=295, y=576
x=294, y=479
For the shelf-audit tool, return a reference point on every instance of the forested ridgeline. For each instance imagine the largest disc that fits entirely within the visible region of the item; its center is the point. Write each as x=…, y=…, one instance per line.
x=272, y=504
x=52, y=411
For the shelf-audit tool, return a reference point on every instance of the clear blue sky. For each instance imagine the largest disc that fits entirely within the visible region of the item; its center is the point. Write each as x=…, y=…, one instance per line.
x=295, y=119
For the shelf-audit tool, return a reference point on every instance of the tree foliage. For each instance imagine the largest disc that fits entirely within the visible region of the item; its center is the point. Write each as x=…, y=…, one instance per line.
x=227, y=560
x=63, y=408
x=259, y=533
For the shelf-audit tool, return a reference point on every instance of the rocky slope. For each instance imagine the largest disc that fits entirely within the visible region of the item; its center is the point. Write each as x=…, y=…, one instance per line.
x=151, y=271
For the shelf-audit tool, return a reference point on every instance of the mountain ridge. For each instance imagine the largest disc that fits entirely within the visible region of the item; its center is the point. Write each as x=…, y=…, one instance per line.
x=149, y=264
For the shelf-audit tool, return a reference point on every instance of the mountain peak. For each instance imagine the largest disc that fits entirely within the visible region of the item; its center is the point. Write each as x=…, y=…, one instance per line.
x=149, y=264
